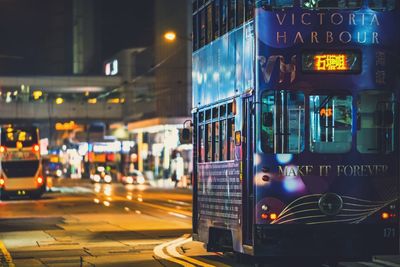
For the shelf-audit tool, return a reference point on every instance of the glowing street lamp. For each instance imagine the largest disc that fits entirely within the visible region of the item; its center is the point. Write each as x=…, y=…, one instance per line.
x=170, y=36
x=37, y=94
x=59, y=100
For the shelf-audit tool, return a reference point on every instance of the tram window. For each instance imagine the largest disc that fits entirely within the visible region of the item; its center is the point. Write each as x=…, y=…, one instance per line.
x=201, y=116
x=201, y=144
x=216, y=141
x=209, y=24
x=224, y=143
x=224, y=16
x=282, y=125
x=215, y=113
x=239, y=12
x=195, y=33
x=194, y=5
x=375, y=122
x=249, y=9
x=330, y=123
x=231, y=139
x=312, y=4
x=231, y=109
x=209, y=145
x=231, y=14
x=382, y=4
x=223, y=111
x=280, y=3
x=202, y=28
x=216, y=20
x=208, y=114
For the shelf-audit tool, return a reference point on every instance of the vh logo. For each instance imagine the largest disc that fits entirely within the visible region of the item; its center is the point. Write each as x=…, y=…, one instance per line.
x=267, y=67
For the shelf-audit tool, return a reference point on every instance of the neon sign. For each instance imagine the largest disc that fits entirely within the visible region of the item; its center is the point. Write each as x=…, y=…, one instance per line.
x=331, y=62
x=326, y=112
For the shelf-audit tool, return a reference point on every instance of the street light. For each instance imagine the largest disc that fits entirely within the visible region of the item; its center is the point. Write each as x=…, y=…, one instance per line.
x=170, y=36
x=59, y=100
x=37, y=94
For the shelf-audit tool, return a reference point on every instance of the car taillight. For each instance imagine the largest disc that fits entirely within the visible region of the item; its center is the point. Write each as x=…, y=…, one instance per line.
x=2, y=182
x=3, y=149
x=36, y=148
x=39, y=180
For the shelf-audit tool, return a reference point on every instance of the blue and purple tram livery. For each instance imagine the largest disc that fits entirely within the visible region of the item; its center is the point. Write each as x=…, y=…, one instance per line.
x=296, y=142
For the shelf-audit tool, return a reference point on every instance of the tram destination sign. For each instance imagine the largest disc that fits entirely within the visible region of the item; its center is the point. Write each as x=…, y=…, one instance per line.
x=348, y=61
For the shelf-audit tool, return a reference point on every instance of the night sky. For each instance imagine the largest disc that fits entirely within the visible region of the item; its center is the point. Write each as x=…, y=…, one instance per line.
x=36, y=35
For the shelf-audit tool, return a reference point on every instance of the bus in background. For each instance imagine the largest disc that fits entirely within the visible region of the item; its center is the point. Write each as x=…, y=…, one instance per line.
x=295, y=127
x=20, y=161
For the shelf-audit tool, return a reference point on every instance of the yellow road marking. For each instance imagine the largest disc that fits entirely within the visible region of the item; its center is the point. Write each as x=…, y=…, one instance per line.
x=173, y=252
x=6, y=255
x=158, y=251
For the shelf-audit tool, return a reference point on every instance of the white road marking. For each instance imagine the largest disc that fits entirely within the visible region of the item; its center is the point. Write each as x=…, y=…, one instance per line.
x=177, y=215
x=179, y=202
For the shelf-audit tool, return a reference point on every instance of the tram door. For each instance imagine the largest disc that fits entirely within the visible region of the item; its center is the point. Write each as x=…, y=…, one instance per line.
x=247, y=170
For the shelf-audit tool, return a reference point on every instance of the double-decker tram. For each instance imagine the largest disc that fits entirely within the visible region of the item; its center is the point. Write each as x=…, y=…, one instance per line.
x=296, y=142
x=20, y=161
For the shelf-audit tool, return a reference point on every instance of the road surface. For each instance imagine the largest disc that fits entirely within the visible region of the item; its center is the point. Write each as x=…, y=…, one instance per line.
x=84, y=224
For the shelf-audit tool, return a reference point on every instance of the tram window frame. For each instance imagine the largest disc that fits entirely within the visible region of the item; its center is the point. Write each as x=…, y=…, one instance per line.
x=373, y=124
x=337, y=125
x=306, y=4
x=384, y=8
x=276, y=130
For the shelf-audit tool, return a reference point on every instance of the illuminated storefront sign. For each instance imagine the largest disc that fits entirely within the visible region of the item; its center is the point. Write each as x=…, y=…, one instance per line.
x=111, y=147
x=111, y=68
x=67, y=126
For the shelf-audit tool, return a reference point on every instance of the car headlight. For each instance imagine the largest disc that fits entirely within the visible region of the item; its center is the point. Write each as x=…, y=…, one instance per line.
x=107, y=179
x=96, y=178
x=129, y=180
x=59, y=173
x=140, y=180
